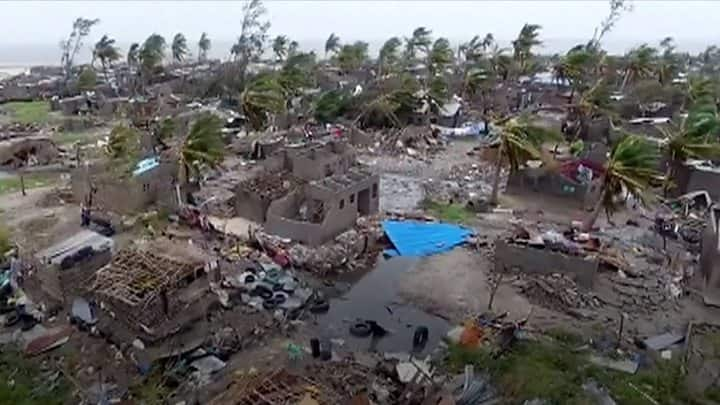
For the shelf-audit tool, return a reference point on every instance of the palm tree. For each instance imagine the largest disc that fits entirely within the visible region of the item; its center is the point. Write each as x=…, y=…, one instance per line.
x=133, y=54
x=522, y=46
x=332, y=44
x=280, y=47
x=179, y=47
x=631, y=168
x=106, y=51
x=152, y=52
x=518, y=143
x=682, y=145
x=388, y=56
x=262, y=97
x=203, y=46
x=638, y=64
x=292, y=49
x=500, y=62
x=123, y=144
x=471, y=51
x=352, y=56
x=165, y=130
x=440, y=56
x=203, y=146
x=668, y=62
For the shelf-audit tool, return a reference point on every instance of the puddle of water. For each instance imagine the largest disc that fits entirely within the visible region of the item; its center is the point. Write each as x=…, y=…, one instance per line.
x=399, y=193
x=370, y=299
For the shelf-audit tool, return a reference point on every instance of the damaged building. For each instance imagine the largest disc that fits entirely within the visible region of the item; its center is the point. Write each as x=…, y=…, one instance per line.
x=61, y=271
x=28, y=151
x=309, y=194
x=153, y=289
x=153, y=180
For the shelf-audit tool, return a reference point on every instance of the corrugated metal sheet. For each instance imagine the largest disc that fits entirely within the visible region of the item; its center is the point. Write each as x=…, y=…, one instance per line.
x=412, y=238
x=54, y=254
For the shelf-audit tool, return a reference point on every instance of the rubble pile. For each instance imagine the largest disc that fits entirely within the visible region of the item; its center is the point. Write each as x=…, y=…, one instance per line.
x=414, y=141
x=350, y=250
x=465, y=184
x=641, y=295
x=558, y=292
x=16, y=130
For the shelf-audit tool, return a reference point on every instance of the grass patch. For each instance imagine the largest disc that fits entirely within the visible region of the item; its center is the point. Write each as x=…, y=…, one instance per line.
x=552, y=371
x=455, y=213
x=22, y=382
x=34, y=180
x=67, y=138
x=28, y=112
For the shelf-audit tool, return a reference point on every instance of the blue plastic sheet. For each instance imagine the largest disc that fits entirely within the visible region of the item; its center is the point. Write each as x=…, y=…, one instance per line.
x=413, y=238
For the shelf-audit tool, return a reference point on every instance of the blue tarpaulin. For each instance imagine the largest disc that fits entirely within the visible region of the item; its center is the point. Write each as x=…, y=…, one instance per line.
x=145, y=165
x=412, y=238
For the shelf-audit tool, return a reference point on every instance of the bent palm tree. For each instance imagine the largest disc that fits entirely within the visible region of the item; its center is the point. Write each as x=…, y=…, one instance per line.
x=106, y=51
x=388, y=57
x=203, y=46
x=519, y=142
x=133, y=54
x=280, y=47
x=630, y=168
x=639, y=64
x=203, y=146
x=179, y=47
x=262, y=97
x=332, y=44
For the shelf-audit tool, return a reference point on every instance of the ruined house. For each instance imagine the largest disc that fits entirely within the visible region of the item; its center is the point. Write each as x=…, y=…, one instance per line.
x=61, y=271
x=28, y=151
x=710, y=257
x=309, y=194
x=697, y=176
x=152, y=180
x=572, y=180
x=153, y=289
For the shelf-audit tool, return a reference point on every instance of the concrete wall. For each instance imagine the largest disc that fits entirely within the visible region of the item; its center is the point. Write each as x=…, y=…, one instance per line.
x=249, y=205
x=547, y=183
x=341, y=212
x=540, y=261
x=692, y=179
x=128, y=194
x=319, y=162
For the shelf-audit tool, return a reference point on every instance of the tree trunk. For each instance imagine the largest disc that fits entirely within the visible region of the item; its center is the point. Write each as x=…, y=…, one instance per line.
x=496, y=174
x=590, y=221
x=22, y=184
x=666, y=180
x=626, y=77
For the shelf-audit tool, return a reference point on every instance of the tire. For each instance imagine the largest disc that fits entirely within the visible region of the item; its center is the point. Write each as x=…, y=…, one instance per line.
x=270, y=304
x=12, y=320
x=320, y=306
x=420, y=337
x=360, y=329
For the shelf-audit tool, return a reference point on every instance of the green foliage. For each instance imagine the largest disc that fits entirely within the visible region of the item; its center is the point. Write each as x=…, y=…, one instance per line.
x=297, y=73
x=280, y=47
x=133, y=55
x=522, y=46
x=166, y=130
x=152, y=52
x=123, y=144
x=87, y=79
x=106, y=51
x=29, y=112
x=454, y=213
x=389, y=56
x=631, y=168
x=263, y=95
x=179, y=47
x=22, y=382
x=332, y=44
x=353, y=56
x=204, y=45
x=521, y=141
x=331, y=104
x=441, y=56
x=32, y=180
x=204, y=145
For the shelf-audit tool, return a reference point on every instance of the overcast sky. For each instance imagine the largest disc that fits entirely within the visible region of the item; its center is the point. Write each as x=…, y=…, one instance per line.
x=36, y=22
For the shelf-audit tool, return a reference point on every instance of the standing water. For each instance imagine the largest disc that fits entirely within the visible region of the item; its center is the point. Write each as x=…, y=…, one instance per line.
x=375, y=297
